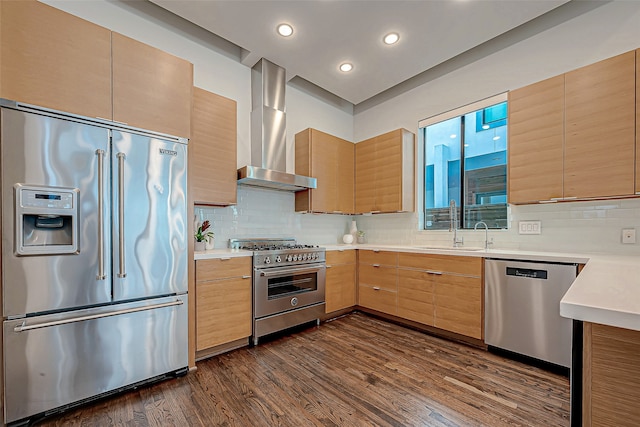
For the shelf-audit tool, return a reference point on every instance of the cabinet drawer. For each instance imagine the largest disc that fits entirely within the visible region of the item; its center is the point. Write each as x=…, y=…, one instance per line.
x=383, y=277
x=378, y=299
x=415, y=296
x=341, y=257
x=378, y=257
x=220, y=268
x=469, y=266
x=223, y=312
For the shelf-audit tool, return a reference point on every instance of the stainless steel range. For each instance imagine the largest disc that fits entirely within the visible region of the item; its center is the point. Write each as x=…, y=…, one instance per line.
x=288, y=283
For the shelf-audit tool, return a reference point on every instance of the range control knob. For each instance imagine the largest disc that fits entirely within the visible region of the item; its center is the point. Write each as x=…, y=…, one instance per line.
x=289, y=258
x=278, y=259
x=304, y=257
x=295, y=257
x=267, y=260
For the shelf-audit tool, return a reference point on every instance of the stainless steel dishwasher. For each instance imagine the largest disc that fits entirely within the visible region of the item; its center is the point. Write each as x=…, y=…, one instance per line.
x=522, y=308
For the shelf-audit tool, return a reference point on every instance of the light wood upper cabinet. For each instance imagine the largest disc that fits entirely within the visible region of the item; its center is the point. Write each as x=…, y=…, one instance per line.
x=223, y=301
x=330, y=160
x=536, y=141
x=385, y=173
x=53, y=59
x=600, y=129
x=638, y=121
x=340, y=287
x=213, y=149
x=151, y=88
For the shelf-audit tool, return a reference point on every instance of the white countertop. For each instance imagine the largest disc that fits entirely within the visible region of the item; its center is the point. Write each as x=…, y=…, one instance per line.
x=221, y=253
x=607, y=291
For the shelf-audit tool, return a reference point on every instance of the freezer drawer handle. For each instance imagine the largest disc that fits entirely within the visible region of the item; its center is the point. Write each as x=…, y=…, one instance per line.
x=101, y=275
x=24, y=327
x=122, y=274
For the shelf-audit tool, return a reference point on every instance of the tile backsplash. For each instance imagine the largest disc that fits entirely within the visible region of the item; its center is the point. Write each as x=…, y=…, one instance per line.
x=592, y=227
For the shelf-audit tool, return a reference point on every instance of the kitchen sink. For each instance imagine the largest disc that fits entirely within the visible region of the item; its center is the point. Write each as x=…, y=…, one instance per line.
x=450, y=248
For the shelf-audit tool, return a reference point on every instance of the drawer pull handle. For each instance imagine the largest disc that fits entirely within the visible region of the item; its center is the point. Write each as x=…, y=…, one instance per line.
x=226, y=258
x=376, y=250
x=438, y=273
x=328, y=266
x=376, y=288
x=376, y=265
x=246, y=277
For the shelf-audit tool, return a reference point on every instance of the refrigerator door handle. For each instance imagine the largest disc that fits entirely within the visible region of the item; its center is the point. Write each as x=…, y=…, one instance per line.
x=122, y=272
x=24, y=327
x=101, y=275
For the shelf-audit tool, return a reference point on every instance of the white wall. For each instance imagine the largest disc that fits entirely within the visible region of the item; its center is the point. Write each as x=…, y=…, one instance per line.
x=610, y=29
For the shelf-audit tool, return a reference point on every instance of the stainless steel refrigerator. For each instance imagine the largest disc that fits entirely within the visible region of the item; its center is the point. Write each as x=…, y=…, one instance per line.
x=94, y=258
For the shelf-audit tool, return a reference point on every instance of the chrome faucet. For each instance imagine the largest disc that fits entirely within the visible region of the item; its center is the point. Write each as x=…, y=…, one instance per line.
x=453, y=224
x=486, y=233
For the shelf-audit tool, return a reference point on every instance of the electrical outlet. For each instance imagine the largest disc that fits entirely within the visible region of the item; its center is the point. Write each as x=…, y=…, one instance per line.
x=628, y=236
x=529, y=227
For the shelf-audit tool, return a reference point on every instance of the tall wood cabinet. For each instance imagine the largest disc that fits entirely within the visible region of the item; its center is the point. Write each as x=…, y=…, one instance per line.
x=385, y=173
x=573, y=136
x=340, y=287
x=54, y=60
x=213, y=149
x=600, y=129
x=223, y=301
x=330, y=160
x=536, y=141
x=151, y=88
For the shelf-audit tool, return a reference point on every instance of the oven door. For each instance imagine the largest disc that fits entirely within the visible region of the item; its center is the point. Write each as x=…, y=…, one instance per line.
x=279, y=289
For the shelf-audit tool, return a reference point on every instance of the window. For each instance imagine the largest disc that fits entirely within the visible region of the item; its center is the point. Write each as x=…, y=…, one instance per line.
x=465, y=160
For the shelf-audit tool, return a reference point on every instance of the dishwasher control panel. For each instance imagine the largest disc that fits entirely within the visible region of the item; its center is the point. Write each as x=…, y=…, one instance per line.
x=527, y=272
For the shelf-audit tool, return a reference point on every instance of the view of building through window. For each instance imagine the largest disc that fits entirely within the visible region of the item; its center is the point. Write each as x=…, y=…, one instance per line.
x=466, y=161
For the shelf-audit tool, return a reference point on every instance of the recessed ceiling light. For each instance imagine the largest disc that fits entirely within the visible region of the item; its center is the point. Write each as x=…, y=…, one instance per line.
x=285, y=30
x=485, y=126
x=495, y=138
x=346, y=67
x=453, y=136
x=391, y=38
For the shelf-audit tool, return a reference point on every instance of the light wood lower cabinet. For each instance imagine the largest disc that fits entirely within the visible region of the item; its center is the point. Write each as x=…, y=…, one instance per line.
x=458, y=305
x=443, y=291
x=223, y=301
x=378, y=281
x=340, y=287
x=611, y=376
x=415, y=296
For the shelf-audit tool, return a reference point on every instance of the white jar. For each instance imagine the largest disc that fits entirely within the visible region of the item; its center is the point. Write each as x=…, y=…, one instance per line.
x=347, y=238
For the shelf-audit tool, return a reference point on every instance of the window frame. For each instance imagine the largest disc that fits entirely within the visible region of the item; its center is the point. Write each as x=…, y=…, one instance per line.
x=421, y=158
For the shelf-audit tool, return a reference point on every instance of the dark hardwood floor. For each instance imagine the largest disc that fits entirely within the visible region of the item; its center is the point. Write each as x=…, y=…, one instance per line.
x=353, y=371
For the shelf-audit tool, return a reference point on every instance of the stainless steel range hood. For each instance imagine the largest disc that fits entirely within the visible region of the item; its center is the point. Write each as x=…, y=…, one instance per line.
x=268, y=133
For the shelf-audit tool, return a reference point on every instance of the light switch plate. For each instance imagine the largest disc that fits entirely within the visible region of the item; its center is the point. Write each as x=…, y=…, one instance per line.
x=529, y=227
x=628, y=236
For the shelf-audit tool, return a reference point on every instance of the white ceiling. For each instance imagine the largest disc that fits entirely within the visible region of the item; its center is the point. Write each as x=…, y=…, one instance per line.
x=329, y=32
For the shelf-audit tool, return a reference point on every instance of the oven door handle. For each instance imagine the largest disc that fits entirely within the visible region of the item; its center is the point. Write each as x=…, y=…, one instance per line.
x=280, y=272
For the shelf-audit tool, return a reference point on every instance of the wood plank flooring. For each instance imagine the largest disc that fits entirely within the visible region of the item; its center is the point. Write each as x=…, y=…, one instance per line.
x=352, y=371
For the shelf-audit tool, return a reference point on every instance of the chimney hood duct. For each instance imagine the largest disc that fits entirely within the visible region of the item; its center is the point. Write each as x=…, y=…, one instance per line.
x=268, y=133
